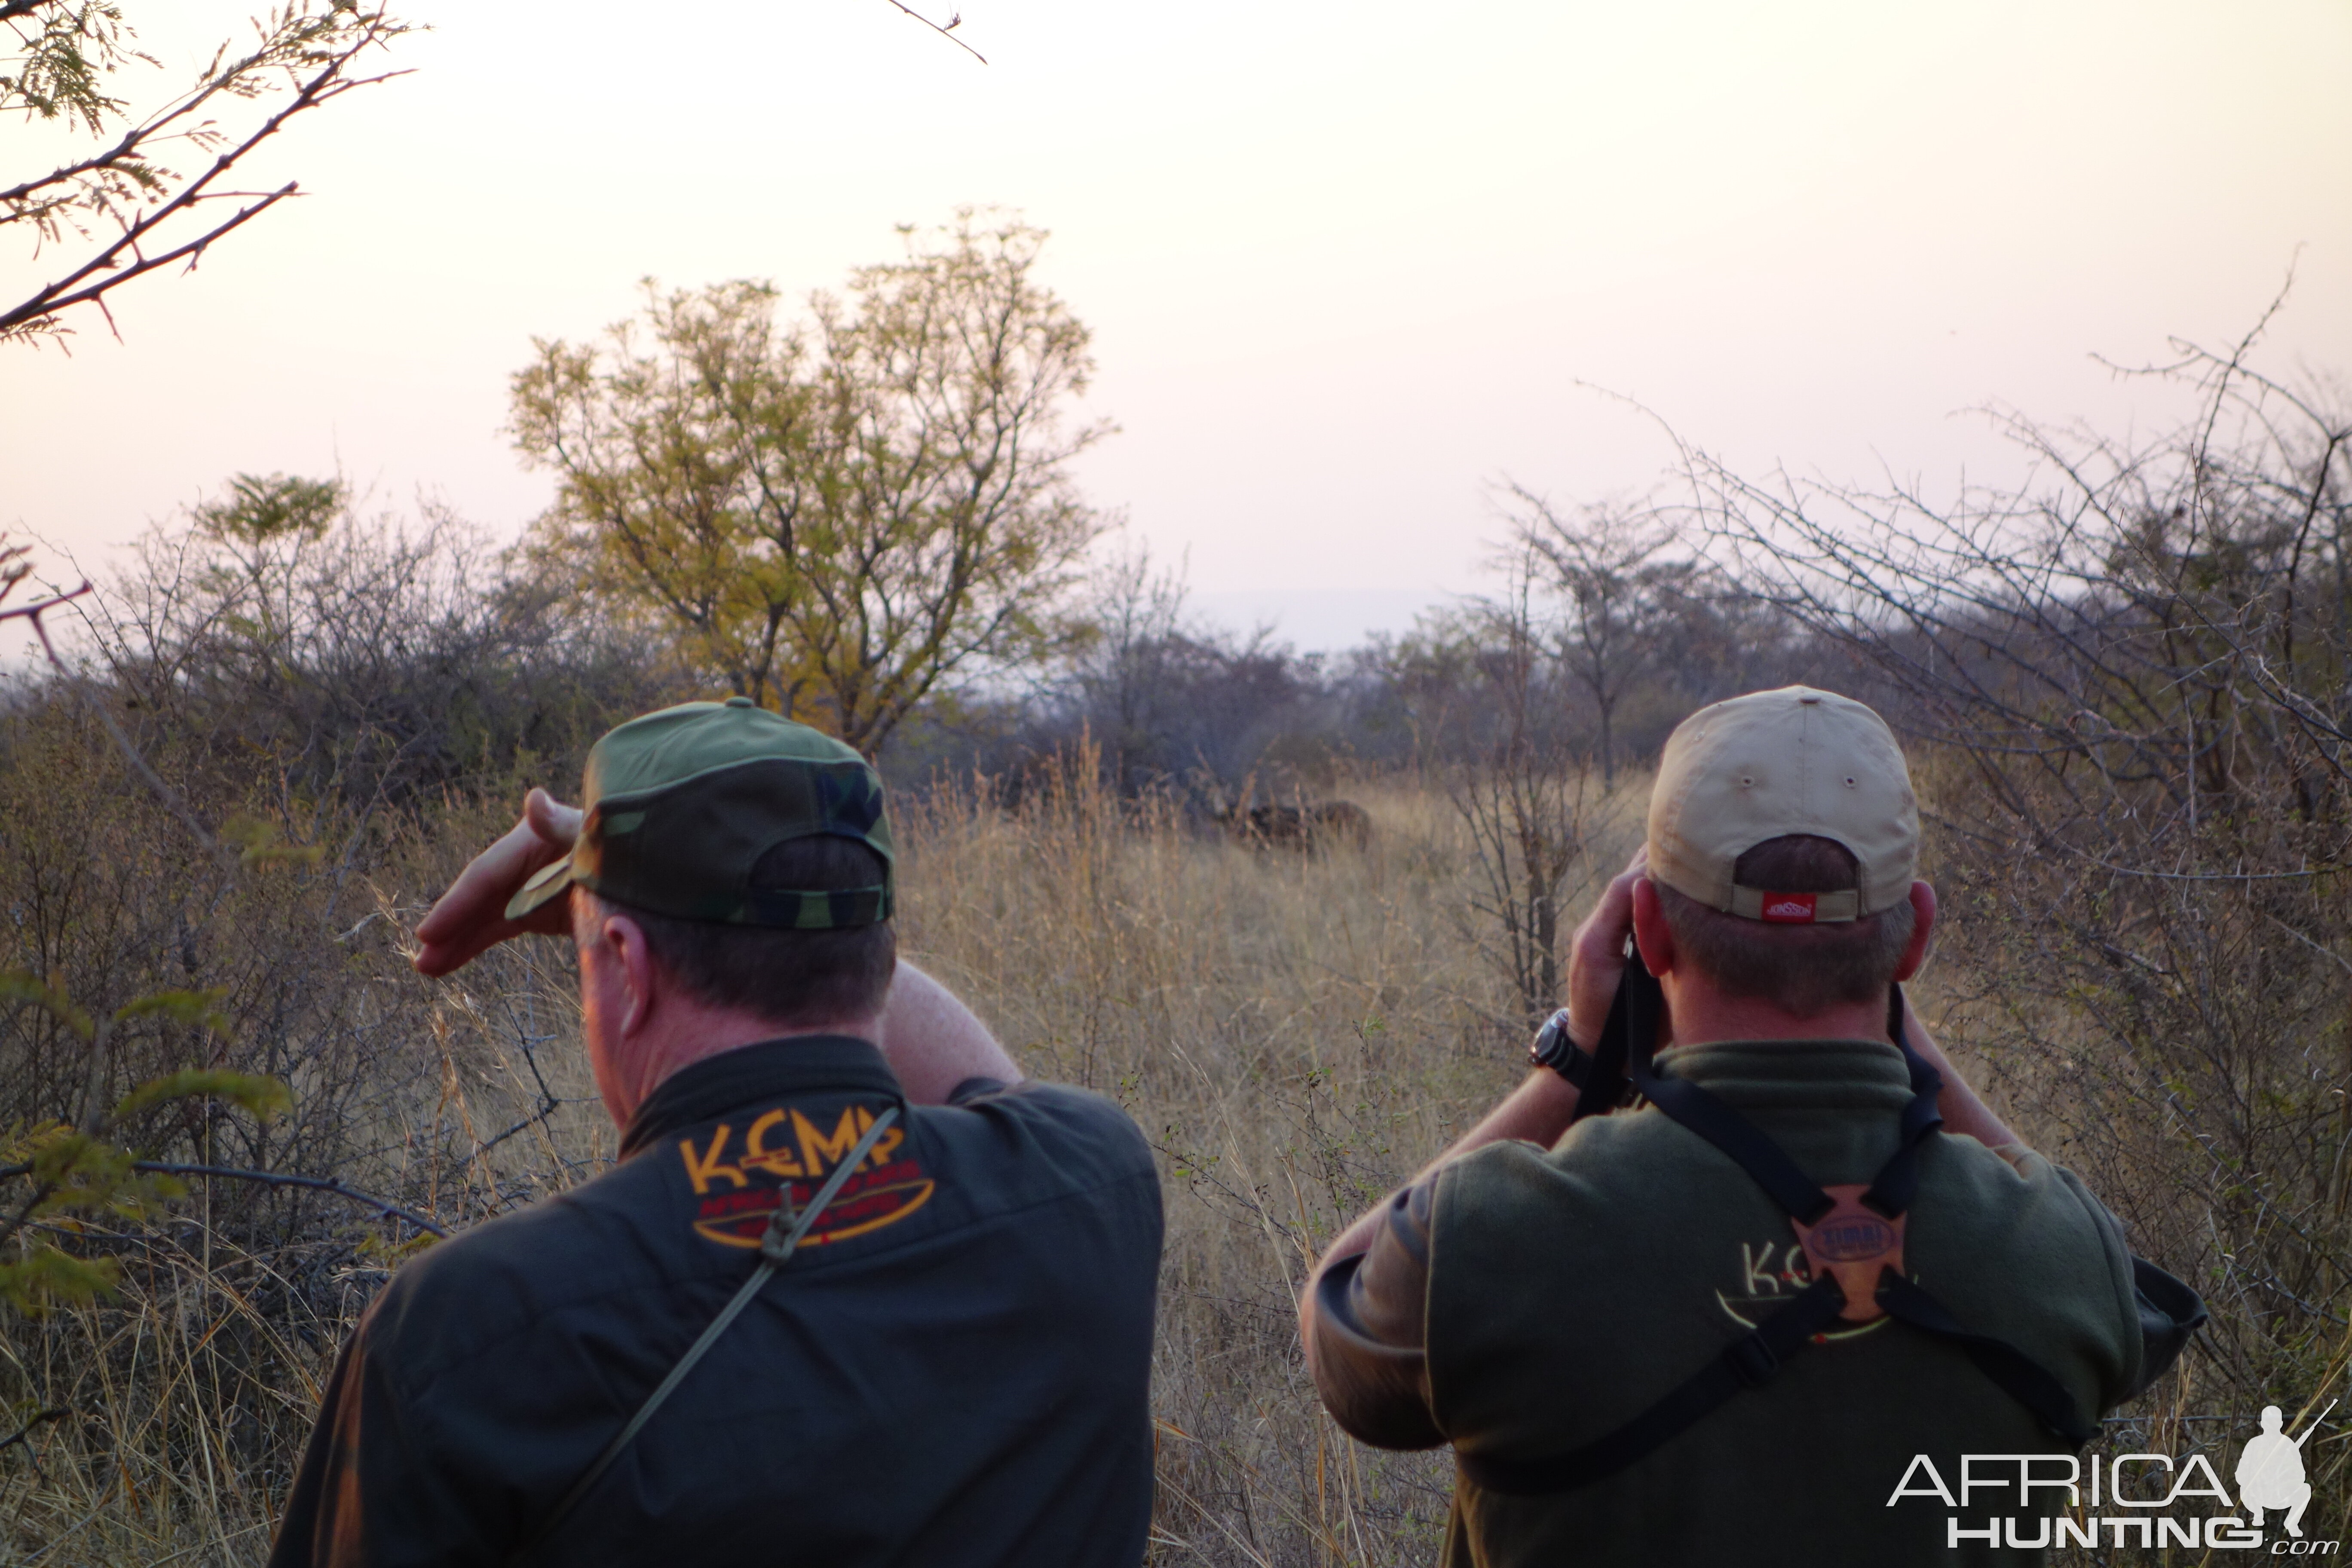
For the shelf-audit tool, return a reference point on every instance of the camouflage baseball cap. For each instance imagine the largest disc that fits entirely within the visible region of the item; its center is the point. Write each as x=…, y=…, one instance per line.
x=681, y=803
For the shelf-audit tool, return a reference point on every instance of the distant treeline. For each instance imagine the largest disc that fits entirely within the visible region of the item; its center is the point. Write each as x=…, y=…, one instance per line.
x=2124, y=684
x=370, y=662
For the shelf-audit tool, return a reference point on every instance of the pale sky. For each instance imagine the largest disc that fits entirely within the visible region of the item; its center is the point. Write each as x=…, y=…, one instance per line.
x=1345, y=265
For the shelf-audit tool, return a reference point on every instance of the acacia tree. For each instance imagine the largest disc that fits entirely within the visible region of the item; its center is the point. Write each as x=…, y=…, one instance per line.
x=149, y=192
x=1615, y=594
x=838, y=514
x=1524, y=791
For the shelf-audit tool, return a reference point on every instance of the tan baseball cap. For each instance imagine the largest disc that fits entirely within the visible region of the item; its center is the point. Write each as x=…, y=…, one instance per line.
x=1774, y=763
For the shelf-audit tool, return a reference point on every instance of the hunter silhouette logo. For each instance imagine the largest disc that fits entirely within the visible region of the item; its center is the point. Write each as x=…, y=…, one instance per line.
x=2270, y=1472
x=2129, y=1499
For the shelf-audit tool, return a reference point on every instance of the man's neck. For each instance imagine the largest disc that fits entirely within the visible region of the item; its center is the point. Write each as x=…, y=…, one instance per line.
x=686, y=1033
x=1702, y=1015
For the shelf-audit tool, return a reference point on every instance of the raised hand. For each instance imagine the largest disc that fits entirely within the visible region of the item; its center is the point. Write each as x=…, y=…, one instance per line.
x=470, y=917
x=1596, y=954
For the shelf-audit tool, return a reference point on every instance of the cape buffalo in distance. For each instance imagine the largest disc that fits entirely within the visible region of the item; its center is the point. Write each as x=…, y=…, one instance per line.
x=1326, y=825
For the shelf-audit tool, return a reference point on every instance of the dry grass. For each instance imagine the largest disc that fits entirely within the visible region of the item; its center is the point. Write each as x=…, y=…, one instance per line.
x=1295, y=1035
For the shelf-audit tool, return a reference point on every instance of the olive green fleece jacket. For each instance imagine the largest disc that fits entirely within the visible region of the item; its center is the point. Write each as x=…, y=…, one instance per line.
x=1562, y=1292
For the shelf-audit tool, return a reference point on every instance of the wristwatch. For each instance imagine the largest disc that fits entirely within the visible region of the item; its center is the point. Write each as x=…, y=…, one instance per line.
x=1552, y=1049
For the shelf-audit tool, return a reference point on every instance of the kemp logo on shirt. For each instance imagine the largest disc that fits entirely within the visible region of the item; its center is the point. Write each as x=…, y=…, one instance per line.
x=2127, y=1500
x=1769, y=1273
x=738, y=1180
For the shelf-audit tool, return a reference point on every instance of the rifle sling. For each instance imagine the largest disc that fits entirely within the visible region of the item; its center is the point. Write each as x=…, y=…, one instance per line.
x=785, y=1229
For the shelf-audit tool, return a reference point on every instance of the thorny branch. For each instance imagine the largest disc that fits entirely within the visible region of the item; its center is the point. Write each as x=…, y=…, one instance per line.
x=24, y=1434
x=164, y=792
x=335, y=1184
x=125, y=256
x=955, y=20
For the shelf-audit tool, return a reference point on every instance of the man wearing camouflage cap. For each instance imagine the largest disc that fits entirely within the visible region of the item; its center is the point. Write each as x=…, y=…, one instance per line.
x=854, y=1293
x=1725, y=1326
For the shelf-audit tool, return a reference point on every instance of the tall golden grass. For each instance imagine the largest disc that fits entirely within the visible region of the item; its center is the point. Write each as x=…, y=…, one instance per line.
x=1295, y=1033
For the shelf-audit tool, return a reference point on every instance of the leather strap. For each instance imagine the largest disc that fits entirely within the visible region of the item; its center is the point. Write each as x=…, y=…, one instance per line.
x=2022, y=1378
x=1748, y=1362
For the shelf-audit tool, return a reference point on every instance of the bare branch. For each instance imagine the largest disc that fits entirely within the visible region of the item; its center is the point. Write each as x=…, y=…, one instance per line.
x=24, y=1433
x=125, y=258
x=280, y=1179
x=948, y=32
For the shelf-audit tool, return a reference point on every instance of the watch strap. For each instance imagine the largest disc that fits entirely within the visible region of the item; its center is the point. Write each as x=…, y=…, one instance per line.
x=1552, y=1049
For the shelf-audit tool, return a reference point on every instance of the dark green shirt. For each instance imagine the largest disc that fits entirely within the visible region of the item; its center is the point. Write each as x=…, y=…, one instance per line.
x=952, y=1371
x=1523, y=1301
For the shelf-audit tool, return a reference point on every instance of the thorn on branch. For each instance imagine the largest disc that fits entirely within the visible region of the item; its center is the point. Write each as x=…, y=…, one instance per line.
x=315, y=1183
x=954, y=21
x=335, y=1184
x=24, y=1434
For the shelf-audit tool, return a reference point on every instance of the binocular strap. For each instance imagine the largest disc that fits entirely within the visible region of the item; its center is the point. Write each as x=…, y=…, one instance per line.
x=1853, y=1243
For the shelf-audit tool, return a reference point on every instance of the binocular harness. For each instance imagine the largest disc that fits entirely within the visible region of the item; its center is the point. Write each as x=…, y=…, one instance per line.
x=1852, y=1240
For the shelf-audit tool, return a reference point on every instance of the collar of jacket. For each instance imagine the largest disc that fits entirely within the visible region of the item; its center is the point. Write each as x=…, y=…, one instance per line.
x=766, y=1069
x=1770, y=1074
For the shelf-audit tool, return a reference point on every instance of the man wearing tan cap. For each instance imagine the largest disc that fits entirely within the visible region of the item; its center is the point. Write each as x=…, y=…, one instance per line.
x=1724, y=1327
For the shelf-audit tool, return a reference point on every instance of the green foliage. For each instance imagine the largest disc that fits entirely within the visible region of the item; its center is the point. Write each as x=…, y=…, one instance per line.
x=259, y=508
x=46, y=1277
x=139, y=197
x=836, y=516
x=261, y=1095
x=90, y=1171
x=391, y=1254
x=259, y=843
x=64, y=59
x=80, y=1174
x=200, y=1009
x=20, y=985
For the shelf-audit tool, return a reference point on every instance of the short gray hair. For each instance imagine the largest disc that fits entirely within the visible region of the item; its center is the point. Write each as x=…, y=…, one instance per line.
x=1801, y=969
x=792, y=978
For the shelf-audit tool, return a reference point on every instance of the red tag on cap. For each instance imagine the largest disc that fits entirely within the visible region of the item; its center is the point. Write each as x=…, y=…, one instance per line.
x=1788, y=908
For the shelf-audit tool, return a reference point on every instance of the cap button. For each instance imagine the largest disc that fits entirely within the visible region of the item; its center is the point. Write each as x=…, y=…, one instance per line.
x=741, y=702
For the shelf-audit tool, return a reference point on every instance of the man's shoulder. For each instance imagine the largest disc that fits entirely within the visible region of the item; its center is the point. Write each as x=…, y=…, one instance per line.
x=630, y=1229
x=506, y=1271
x=1035, y=1141
x=1997, y=1188
x=1050, y=1112
x=1597, y=1160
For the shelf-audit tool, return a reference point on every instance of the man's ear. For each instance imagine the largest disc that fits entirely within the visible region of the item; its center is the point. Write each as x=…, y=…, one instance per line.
x=1653, y=938
x=1923, y=928
x=633, y=958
